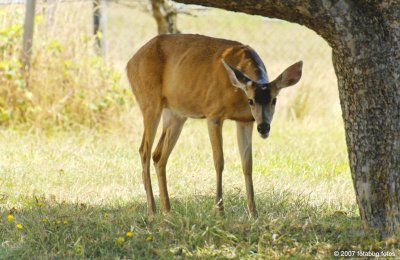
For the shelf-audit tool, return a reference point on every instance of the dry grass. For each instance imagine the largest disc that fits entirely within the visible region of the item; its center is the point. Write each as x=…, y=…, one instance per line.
x=94, y=167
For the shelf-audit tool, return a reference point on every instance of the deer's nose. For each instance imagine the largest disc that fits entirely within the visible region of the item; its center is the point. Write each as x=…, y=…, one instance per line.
x=263, y=128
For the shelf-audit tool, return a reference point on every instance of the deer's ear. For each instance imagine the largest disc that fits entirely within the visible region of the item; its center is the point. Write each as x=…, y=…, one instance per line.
x=237, y=78
x=289, y=77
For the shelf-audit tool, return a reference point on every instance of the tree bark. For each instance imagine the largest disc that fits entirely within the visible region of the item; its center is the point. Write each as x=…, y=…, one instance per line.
x=100, y=26
x=27, y=41
x=365, y=38
x=164, y=12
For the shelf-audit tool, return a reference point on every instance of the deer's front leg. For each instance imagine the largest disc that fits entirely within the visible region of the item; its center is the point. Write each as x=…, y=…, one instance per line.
x=244, y=136
x=215, y=133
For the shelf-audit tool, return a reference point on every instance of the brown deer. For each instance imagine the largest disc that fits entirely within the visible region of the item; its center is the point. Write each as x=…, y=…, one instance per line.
x=183, y=75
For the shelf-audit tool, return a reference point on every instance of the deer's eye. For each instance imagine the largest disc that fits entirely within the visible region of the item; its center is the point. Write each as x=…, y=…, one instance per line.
x=274, y=101
x=251, y=102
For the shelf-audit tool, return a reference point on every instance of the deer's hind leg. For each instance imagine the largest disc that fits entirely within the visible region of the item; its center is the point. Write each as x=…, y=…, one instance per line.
x=151, y=119
x=172, y=128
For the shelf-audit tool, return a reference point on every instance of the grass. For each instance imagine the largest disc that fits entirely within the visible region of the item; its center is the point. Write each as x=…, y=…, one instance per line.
x=70, y=173
x=77, y=195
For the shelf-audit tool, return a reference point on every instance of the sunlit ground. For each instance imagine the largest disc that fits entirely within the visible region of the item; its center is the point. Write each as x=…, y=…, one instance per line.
x=79, y=193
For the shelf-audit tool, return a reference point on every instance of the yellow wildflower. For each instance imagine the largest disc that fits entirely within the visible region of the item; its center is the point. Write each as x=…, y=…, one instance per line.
x=40, y=204
x=19, y=226
x=106, y=216
x=78, y=249
x=65, y=222
x=149, y=238
x=120, y=240
x=45, y=220
x=129, y=234
x=10, y=217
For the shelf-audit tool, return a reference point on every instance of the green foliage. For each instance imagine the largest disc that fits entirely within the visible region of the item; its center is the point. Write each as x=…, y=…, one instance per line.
x=9, y=37
x=15, y=98
x=68, y=84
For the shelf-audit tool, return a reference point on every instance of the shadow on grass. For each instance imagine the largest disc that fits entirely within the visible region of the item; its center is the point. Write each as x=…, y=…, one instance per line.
x=287, y=226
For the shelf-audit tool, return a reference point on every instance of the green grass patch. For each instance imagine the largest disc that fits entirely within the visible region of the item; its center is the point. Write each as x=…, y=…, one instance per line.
x=80, y=195
x=287, y=226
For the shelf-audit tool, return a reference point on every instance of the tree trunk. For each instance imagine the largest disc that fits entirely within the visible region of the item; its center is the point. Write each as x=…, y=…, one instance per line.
x=164, y=12
x=365, y=38
x=100, y=26
x=27, y=41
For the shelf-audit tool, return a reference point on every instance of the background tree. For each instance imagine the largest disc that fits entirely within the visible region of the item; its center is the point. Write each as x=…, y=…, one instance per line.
x=365, y=39
x=29, y=24
x=164, y=11
x=99, y=26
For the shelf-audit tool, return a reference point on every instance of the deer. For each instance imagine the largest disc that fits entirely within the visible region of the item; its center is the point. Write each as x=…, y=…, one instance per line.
x=180, y=76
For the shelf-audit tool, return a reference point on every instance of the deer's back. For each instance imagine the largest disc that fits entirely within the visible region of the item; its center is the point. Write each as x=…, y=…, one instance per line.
x=186, y=71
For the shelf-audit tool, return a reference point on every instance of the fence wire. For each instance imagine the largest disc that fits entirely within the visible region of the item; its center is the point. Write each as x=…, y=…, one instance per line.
x=130, y=24
x=279, y=43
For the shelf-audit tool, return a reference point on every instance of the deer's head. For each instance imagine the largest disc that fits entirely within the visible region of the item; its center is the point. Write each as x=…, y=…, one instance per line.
x=262, y=95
